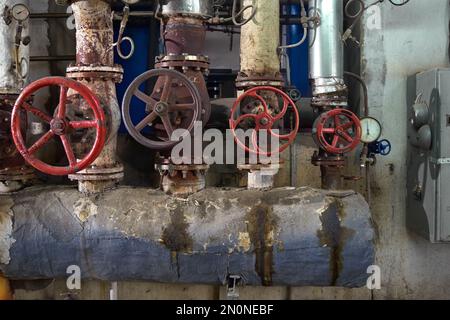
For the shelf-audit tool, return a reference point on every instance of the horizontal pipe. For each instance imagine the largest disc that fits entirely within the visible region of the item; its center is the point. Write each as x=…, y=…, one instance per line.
x=285, y=237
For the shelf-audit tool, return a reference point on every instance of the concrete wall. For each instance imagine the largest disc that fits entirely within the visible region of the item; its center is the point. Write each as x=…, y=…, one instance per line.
x=413, y=38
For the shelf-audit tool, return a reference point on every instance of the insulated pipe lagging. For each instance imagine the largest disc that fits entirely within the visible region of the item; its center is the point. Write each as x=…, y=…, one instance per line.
x=260, y=38
x=282, y=237
x=326, y=54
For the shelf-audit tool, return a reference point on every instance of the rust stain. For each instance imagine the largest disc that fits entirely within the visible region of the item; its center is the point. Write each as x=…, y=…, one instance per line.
x=261, y=225
x=334, y=236
x=176, y=236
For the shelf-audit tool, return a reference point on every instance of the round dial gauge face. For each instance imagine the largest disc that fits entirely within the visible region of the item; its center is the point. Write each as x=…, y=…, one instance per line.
x=371, y=130
x=20, y=12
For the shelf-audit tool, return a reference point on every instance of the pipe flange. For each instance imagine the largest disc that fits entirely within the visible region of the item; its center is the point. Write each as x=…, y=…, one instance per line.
x=23, y=173
x=183, y=57
x=95, y=173
x=261, y=167
x=184, y=62
x=182, y=179
x=328, y=160
x=329, y=102
x=170, y=167
x=244, y=81
x=9, y=92
x=114, y=73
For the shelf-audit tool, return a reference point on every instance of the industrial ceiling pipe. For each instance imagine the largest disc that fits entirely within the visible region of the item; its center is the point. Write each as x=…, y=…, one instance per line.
x=14, y=63
x=282, y=237
x=95, y=68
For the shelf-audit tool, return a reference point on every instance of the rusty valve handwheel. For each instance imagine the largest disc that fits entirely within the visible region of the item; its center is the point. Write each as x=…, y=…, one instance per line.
x=175, y=103
x=338, y=131
x=60, y=126
x=264, y=119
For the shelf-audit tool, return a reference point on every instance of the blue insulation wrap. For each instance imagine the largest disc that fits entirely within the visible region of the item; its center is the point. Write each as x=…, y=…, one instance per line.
x=282, y=237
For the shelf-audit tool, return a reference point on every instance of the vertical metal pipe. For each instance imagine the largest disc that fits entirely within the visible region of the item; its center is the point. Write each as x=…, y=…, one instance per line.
x=326, y=53
x=260, y=39
x=94, y=32
x=95, y=68
x=10, y=81
x=14, y=65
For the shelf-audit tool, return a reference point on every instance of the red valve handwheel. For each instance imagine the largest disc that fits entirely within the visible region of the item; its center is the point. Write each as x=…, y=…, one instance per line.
x=60, y=126
x=338, y=131
x=265, y=119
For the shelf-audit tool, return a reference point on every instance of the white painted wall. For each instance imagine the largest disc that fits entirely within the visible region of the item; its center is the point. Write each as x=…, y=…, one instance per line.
x=413, y=38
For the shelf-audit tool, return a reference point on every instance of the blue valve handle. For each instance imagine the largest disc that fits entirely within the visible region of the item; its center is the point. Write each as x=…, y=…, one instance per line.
x=383, y=147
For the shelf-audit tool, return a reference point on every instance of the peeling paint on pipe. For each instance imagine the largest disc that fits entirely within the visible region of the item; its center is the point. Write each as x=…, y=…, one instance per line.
x=286, y=237
x=260, y=39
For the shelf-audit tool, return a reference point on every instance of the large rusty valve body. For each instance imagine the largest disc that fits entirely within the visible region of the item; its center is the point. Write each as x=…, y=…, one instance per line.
x=259, y=109
x=174, y=103
x=337, y=131
x=62, y=125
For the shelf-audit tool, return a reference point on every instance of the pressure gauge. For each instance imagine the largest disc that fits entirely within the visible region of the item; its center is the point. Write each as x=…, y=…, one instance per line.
x=20, y=12
x=371, y=130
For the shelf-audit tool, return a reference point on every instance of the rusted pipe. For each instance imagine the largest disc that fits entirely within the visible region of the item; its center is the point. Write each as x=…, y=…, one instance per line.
x=96, y=69
x=14, y=65
x=94, y=33
x=331, y=177
x=184, y=35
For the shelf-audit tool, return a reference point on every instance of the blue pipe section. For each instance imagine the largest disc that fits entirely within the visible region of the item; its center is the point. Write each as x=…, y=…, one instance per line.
x=299, y=57
x=133, y=67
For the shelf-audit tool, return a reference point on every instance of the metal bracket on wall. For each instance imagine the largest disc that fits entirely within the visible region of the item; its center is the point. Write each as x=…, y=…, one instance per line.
x=232, y=287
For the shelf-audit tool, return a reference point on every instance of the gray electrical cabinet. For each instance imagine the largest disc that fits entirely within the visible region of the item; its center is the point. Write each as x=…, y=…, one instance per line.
x=428, y=160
